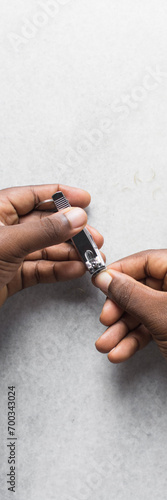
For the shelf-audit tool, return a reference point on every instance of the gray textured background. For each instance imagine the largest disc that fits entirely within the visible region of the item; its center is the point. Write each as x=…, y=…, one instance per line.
x=86, y=429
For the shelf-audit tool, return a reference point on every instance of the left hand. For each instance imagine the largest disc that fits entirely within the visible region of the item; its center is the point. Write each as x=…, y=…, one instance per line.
x=32, y=251
x=136, y=306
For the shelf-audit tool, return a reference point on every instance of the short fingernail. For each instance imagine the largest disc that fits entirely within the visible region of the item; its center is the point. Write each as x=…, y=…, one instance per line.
x=103, y=281
x=77, y=217
x=107, y=306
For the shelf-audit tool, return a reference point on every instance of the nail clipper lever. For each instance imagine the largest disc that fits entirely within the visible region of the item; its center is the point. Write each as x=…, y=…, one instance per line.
x=83, y=241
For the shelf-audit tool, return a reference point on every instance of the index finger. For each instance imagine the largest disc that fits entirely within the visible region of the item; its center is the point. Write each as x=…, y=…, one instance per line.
x=149, y=263
x=23, y=199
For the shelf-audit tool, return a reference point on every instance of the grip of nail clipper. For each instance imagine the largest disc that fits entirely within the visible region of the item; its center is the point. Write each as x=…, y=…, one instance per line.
x=83, y=241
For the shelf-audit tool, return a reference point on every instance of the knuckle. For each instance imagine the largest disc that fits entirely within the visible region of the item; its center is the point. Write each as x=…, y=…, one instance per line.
x=54, y=228
x=56, y=273
x=37, y=272
x=44, y=254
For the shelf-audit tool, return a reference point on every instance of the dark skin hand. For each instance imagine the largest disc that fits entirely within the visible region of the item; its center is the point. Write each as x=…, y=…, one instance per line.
x=135, y=310
x=33, y=246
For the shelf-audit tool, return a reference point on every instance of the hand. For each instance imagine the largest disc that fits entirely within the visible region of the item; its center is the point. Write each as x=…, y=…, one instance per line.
x=136, y=307
x=32, y=243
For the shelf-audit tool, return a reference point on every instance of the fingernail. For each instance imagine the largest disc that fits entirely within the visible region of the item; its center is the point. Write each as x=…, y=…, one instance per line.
x=77, y=217
x=107, y=306
x=103, y=281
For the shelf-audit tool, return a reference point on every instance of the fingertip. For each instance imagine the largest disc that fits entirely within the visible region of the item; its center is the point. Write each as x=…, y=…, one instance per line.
x=87, y=198
x=102, y=281
x=104, y=320
x=101, y=345
x=97, y=344
x=96, y=235
x=100, y=319
x=77, y=196
x=103, y=256
x=102, y=239
x=111, y=358
x=110, y=313
x=124, y=350
x=77, y=217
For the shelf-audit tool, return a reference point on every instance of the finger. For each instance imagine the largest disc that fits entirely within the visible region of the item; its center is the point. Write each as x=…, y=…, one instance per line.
x=65, y=251
x=140, y=301
x=35, y=272
x=156, y=284
x=36, y=215
x=111, y=312
x=59, y=253
x=18, y=241
x=18, y=201
x=150, y=263
x=115, y=333
x=134, y=341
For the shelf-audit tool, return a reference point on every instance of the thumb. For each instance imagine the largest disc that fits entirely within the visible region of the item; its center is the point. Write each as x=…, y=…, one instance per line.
x=140, y=301
x=20, y=240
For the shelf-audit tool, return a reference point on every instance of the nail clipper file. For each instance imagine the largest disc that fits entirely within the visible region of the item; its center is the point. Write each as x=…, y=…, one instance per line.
x=83, y=241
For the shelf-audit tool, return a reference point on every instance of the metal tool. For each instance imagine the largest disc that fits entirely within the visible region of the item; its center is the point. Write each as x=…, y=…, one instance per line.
x=83, y=241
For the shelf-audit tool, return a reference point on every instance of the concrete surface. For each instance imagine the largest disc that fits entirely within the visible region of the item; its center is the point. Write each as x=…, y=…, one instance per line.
x=83, y=92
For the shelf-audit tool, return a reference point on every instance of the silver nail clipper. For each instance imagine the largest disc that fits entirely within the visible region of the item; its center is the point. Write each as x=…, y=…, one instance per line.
x=83, y=241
